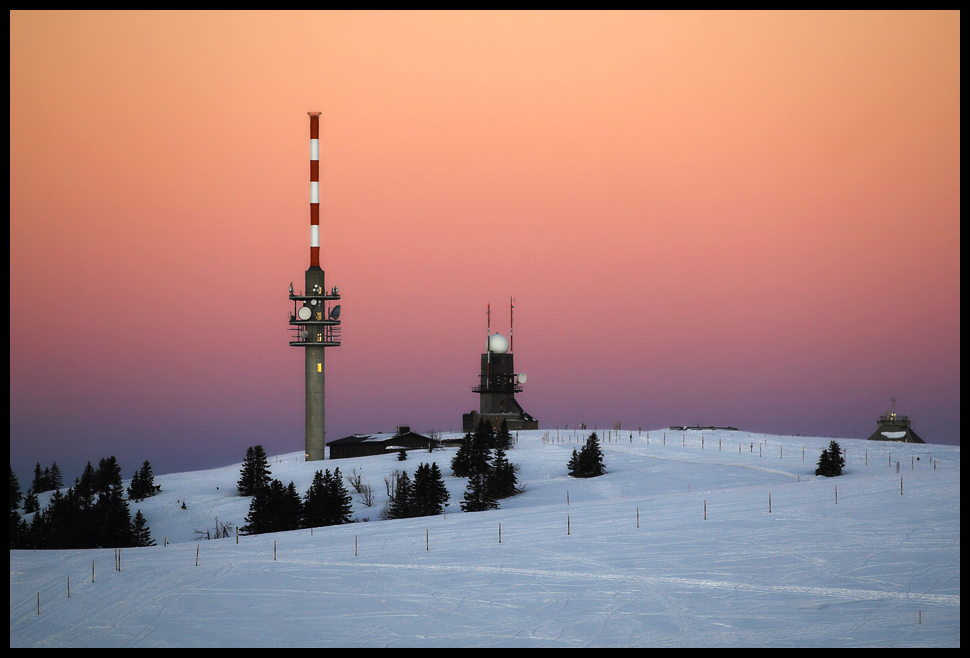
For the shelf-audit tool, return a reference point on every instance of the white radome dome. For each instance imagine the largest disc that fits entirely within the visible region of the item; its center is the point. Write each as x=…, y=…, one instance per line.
x=498, y=344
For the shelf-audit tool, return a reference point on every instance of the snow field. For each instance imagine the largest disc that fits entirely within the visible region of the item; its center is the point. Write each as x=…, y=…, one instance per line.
x=809, y=573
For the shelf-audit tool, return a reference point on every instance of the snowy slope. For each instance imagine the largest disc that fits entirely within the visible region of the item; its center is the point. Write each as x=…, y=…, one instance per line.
x=863, y=572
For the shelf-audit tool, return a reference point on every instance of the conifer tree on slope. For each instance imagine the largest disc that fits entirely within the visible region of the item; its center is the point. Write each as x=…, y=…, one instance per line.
x=140, y=532
x=143, y=483
x=340, y=506
x=400, y=507
x=831, y=461
x=478, y=496
x=503, y=438
x=461, y=462
x=315, y=502
x=502, y=479
x=588, y=462
x=255, y=473
x=17, y=525
x=439, y=492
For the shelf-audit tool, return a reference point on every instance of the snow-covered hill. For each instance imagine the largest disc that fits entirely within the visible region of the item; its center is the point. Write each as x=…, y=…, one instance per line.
x=629, y=560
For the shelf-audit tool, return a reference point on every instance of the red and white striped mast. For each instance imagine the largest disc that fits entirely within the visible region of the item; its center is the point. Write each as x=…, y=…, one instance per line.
x=314, y=189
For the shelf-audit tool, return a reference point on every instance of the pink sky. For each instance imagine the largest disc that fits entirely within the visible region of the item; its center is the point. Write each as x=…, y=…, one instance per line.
x=747, y=219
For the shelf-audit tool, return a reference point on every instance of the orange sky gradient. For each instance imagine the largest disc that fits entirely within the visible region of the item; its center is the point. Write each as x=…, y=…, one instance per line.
x=747, y=219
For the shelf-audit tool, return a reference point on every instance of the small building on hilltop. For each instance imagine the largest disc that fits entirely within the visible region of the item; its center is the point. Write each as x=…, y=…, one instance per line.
x=362, y=445
x=895, y=427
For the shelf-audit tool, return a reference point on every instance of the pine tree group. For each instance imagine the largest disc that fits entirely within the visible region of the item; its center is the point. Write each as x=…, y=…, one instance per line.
x=90, y=514
x=275, y=508
x=588, y=461
x=143, y=483
x=426, y=495
x=831, y=461
x=491, y=477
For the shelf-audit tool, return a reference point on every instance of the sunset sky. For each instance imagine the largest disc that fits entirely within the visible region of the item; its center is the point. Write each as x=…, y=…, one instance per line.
x=745, y=219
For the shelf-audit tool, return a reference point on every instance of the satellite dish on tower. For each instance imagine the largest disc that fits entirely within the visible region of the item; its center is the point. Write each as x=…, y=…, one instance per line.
x=304, y=313
x=335, y=312
x=521, y=377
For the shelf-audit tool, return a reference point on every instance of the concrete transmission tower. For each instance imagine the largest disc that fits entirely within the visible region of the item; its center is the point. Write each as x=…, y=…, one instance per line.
x=314, y=320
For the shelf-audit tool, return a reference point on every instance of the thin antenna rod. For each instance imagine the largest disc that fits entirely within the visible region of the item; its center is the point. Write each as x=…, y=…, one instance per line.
x=488, y=347
x=511, y=324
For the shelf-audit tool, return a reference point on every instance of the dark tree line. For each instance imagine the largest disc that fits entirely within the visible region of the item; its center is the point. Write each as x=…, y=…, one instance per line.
x=588, y=461
x=93, y=513
x=426, y=495
x=482, y=459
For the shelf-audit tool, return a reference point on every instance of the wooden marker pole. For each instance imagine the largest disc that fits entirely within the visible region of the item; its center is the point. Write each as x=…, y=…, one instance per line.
x=197, y=555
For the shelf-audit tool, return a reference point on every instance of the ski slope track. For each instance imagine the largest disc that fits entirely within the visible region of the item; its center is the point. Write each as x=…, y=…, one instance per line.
x=628, y=561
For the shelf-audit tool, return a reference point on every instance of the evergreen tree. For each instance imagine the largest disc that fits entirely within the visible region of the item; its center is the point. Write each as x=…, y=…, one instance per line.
x=290, y=509
x=39, y=483
x=502, y=479
x=477, y=497
x=113, y=518
x=315, y=502
x=399, y=507
x=831, y=461
x=16, y=522
x=85, y=489
x=461, y=462
x=55, y=479
x=271, y=510
x=588, y=462
x=254, y=474
x=140, y=532
x=439, y=495
x=143, y=483
x=107, y=476
x=31, y=503
x=421, y=502
x=503, y=438
x=340, y=506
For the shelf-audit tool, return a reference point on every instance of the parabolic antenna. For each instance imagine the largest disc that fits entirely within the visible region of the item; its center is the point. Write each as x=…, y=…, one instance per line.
x=498, y=344
x=304, y=313
x=521, y=377
x=335, y=312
